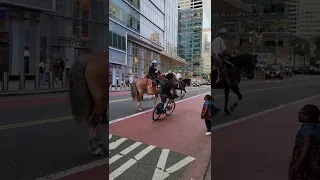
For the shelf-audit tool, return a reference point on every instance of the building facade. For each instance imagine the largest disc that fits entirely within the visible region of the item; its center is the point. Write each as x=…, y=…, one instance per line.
x=48, y=30
x=206, y=50
x=137, y=36
x=305, y=17
x=190, y=32
x=274, y=44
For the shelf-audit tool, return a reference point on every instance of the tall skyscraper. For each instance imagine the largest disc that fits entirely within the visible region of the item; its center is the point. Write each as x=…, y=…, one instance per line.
x=190, y=31
x=304, y=17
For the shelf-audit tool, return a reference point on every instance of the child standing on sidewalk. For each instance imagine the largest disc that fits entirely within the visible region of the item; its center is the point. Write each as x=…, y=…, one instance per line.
x=305, y=163
x=206, y=113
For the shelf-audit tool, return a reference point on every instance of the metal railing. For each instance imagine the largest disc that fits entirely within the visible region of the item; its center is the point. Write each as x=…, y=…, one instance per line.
x=36, y=81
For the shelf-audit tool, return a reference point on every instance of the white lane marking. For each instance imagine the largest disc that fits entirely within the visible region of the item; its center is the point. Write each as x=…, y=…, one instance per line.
x=180, y=164
x=61, y=95
x=262, y=113
x=117, y=143
x=68, y=172
x=97, y=163
x=219, y=95
x=130, y=162
x=124, y=152
x=159, y=173
x=137, y=114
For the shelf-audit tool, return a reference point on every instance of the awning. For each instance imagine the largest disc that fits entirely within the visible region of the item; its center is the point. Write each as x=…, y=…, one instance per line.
x=229, y=6
x=176, y=60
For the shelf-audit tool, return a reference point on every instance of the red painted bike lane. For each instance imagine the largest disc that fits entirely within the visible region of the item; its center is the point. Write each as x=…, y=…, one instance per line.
x=259, y=148
x=182, y=132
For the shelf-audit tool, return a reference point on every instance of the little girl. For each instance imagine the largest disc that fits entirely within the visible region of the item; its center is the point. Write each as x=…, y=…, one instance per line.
x=206, y=113
x=305, y=163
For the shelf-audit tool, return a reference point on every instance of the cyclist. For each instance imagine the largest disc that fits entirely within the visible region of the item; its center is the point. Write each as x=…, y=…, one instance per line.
x=168, y=86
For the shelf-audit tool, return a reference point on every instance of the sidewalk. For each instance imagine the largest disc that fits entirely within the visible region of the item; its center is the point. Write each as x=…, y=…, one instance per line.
x=258, y=148
x=208, y=174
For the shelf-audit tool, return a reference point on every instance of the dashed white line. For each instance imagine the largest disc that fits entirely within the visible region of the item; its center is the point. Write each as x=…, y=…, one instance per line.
x=117, y=143
x=159, y=173
x=124, y=152
x=180, y=164
x=130, y=162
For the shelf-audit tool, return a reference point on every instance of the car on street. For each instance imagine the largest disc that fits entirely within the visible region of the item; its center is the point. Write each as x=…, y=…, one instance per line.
x=274, y=71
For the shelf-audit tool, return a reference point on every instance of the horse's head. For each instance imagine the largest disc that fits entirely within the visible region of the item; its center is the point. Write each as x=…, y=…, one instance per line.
x=246, y=63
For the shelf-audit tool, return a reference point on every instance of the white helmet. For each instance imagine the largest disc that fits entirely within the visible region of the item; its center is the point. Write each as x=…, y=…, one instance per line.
x=154, y=62
x=223, y=31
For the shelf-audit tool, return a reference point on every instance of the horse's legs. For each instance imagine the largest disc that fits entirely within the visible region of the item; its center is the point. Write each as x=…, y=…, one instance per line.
x=226, y=100
x=236, y=90
x=139, y=99
x=155, y=99
x=95, y=145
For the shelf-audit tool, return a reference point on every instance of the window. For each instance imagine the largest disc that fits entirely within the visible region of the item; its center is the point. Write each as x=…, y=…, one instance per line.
x=117, y=41
x=122, y=16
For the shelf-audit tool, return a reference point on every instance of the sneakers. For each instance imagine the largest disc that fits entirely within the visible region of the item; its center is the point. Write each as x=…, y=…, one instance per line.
x=208, y=133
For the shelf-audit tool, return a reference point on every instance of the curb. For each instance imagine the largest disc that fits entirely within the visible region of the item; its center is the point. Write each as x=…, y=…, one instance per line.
x=208, y=172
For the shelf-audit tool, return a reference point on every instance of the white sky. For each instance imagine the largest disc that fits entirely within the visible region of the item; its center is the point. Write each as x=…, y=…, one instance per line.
x=206, y=13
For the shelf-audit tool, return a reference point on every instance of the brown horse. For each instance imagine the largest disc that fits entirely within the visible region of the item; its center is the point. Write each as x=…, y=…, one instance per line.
x=144, y=86
x=89, y=95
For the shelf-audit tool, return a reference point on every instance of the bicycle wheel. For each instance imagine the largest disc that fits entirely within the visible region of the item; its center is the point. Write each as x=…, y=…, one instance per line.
x=170, y=111
x=156, y=114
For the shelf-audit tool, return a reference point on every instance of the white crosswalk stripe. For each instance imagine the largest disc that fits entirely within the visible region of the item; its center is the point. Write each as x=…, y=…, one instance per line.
x=128, y=157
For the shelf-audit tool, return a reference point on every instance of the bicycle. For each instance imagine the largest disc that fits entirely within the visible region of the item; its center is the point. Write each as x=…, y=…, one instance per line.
x=159, y=110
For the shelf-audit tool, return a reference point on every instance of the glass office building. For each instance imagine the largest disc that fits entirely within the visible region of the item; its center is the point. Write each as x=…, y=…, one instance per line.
x=190, y=32
x=136, y=37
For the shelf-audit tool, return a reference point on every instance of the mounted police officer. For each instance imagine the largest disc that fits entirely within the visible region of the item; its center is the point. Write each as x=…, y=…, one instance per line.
x=221, y=57
x=154, y=72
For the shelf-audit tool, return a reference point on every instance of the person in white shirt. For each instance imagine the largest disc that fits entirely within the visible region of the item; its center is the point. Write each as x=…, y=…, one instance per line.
x=219, y=50
x=178, y=75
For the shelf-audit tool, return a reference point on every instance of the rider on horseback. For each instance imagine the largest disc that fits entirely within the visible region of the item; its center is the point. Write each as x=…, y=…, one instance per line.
x=221, y=58
x=153, y=72
x=178, y=77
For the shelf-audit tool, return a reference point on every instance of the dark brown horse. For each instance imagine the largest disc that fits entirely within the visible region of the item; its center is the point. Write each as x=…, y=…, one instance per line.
x=144, y=86
x=89, y=95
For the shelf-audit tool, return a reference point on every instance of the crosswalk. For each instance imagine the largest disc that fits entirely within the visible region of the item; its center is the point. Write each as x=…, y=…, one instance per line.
x=135, y=160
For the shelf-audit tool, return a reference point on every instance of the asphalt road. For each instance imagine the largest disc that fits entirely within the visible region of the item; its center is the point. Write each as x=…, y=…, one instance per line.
x=38, y=138
x=53, y=143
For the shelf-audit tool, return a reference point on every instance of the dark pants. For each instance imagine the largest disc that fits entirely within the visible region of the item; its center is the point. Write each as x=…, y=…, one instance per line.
x=208, y=124
x=67, y=71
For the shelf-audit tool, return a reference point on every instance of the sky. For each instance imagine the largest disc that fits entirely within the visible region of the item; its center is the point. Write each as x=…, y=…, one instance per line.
x=206, y=13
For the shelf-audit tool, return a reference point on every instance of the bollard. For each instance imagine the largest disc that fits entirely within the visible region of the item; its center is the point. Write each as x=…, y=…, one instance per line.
x=51, y=80
x=110, y=87
x=22, y=81
x=116, y=87
x=5, y=82
x=121, y=87
x=37, y=80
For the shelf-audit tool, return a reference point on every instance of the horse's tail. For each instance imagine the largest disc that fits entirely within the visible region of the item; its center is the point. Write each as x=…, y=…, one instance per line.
x=78, y=91
x=134, y=90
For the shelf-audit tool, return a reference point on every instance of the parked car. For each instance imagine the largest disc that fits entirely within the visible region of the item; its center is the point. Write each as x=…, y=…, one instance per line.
x=274, y=71
x=314, y=71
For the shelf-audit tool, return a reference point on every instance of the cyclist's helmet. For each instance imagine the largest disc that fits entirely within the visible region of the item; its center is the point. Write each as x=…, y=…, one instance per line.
x=154, y=62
